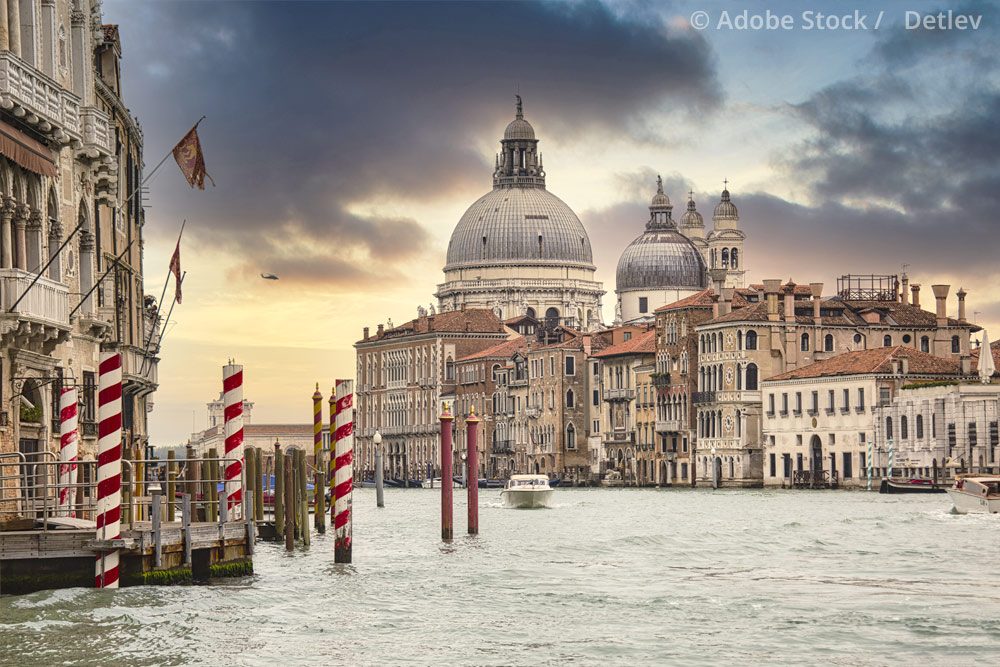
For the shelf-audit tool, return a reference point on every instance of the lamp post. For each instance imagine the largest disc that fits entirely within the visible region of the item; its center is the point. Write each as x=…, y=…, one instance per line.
x=379, y=500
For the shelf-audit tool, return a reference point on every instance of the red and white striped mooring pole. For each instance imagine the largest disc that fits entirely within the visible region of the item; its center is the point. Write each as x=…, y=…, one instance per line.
x=69, y=436
x=232, y=388
x=343, y=475
x=109, y=466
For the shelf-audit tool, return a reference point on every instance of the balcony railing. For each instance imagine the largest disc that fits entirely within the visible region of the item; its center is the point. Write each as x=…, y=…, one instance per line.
x=660, y=379
x=620, y=436
x=620, y=394
x=48, y=301
x=96, y=129
x=703, y=397
x=668, y=425
x=43, y=102
x=133, y=367
x=503, y=447
x=532, y=412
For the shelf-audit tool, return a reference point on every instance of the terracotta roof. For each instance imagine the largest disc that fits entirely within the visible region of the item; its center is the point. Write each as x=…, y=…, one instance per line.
x=644, y=343
x=844, y=313
x=471, y=320
x=799, y=289
x=504, y=350
x=876, y=360
x=280, y=429
x=705, y=299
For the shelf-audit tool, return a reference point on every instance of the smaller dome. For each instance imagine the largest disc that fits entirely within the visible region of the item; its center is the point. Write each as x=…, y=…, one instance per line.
x=725, y=209
x=519, y=129
x=691, y=217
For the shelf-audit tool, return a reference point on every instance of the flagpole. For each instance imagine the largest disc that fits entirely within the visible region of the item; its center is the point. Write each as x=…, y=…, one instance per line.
x=159, y=303
x=158, y=165
x=169, y=313
x=99, y=280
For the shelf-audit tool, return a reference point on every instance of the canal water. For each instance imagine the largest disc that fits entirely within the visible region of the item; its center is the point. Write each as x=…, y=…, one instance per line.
x=606, y=577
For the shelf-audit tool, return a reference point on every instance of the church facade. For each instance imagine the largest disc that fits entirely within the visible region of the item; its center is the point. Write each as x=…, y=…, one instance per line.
x=519, y=249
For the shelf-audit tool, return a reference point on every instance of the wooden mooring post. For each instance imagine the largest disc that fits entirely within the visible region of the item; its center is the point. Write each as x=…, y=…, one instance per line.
x=155, y=493
x=258, y=493
x=171, y=484
x=279, y=491
x=320, y=509
x=289, y=502
x=446, y=474
x=303, y=497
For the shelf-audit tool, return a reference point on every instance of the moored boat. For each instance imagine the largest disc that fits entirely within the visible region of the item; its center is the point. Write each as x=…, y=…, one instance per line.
x=915, y=485
x=526, y=491
x=976, y=493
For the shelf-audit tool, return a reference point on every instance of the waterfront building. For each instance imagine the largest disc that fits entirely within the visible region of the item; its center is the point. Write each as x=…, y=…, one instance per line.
x=405, y=375
x=618, y=371
x=676, y=378
x=560, y=409
x=819, y=419
x=743, y=346
x=70, y=156
x=483, y=382
x=519, y=249
x=660, y=266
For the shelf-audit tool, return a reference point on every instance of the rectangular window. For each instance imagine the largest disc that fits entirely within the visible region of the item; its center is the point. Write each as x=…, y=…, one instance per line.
x=831, y=401
x=597, y=426
x=784, y=404
x=89, y=397
x=798, y=402
x=884, y=396
x=815, y=407
x=847, y=401
x=684, y=445
x=570, y=365
x=597, y=369
x=861, y=398
x=643, y=304
x=552, y=366
x=848, y=473
x=973, y=439
x=862, y=465
x=774, y=467
x=627, y=336
x=770, y=404
x=798, y=462
x=787, y=461
x=597, y=400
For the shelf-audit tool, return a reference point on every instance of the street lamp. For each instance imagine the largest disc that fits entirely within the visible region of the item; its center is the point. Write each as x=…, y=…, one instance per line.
x=377, y=439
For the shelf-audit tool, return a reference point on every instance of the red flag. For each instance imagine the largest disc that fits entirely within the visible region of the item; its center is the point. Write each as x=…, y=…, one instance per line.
x=190, y=159
x=175, y=268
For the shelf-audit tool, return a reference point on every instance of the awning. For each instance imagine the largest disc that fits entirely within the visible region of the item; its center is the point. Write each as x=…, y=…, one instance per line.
x=25, y=151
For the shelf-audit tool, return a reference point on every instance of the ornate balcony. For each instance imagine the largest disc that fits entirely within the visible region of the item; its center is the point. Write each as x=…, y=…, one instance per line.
x=532, y=413
x=620, y=394
x=668, y=425
x=42, y=316
x=38, y=100
x=620, y=437
x=703, y=397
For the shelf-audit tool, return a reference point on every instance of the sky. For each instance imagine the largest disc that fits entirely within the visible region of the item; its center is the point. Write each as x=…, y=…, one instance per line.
x=347, y=139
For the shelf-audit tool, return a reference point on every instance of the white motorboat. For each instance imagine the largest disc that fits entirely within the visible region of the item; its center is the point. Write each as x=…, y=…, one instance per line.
x=976, y=493
x=526, y=491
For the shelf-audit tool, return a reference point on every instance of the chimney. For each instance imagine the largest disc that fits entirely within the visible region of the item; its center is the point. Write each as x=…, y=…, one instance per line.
x=941, y=295
x=381, y=328
x=790, y=301
x=462, y=308
x=366, y=333
x=904, y=363
x=961, y=303
x=468, y=325
x=430, y=323
x=715, y=306
x=817, y=292
x=966, y=362
x=894, y=363
x=905, y=293
x=771, y=288
x=727, y=300
x=915, y=290
x=586, y=345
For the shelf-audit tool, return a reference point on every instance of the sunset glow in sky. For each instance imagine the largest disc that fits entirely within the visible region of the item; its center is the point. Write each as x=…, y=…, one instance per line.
x=348, y=139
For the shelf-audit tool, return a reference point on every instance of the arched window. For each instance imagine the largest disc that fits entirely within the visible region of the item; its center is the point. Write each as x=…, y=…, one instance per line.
x=734, y=258
x=530, y=312
x=570, y=399
x=725, y=258
x=449, y=370
x=751, y=340
x=570, y=437
x=551, y=317
x=925, y=344
x=751, y=377
x=887, y=341
x=903, y=430
x=888, y=427
x=828, y=343
x=920, y=427
x=739, y=378
x=804, y=345
x=956, y=345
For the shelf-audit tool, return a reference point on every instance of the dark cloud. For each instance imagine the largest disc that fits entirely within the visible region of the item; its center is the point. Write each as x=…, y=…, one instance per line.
x=317, y=111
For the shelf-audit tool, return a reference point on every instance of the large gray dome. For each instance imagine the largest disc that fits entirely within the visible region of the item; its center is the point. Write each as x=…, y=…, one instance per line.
x=519, y=225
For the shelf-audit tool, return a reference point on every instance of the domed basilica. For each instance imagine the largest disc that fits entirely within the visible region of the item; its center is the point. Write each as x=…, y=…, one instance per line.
x=668, y=262
x=519, y=249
